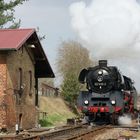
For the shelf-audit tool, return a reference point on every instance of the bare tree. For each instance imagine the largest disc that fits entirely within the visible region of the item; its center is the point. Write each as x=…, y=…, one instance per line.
x=72, y=57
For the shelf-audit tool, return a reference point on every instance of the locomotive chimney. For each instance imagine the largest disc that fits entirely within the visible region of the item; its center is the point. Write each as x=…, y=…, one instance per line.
x=103, y=63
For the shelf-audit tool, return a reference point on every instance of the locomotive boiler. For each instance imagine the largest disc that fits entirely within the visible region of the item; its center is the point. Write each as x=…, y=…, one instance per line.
x=109, y=94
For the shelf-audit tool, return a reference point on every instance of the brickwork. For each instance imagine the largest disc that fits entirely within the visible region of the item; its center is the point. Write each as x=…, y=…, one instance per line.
x=21, y=56
x=2, y=88
x=15, y=108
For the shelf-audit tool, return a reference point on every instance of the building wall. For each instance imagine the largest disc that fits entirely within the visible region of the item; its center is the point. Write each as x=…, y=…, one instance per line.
x=17, y=94
x=2, y=89
x=47, y=90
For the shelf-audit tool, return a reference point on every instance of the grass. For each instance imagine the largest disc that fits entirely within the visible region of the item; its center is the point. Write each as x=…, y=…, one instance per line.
x=57, y=111
x=45, y=123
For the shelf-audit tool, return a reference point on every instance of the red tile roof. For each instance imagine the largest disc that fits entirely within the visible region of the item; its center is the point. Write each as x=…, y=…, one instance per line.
x=14, y=38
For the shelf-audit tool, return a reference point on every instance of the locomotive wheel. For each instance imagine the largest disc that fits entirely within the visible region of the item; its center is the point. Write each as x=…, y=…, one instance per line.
x=135, y=114
x=114, y=119
x=111, y=119
x=91, y=118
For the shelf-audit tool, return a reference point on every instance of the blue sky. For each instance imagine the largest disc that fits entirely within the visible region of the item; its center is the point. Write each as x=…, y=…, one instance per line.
x=53, y=19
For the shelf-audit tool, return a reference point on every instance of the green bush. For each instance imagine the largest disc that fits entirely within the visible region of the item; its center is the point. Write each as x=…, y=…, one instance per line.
x=45, y=122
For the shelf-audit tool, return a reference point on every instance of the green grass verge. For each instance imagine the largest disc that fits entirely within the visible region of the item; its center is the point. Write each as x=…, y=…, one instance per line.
x=52, y=120
x=45, y=123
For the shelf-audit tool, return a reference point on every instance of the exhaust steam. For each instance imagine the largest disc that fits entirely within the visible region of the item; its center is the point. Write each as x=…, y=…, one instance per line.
x=110, y=29
x=125, y=120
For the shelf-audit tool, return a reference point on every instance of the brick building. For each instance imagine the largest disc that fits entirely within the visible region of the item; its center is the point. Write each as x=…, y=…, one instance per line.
x=22, y=62
x=47, y=90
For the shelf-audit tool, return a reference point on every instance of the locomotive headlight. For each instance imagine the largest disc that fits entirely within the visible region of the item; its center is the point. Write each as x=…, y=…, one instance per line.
x=100, y=72
x=86, y=102
x=113, y=102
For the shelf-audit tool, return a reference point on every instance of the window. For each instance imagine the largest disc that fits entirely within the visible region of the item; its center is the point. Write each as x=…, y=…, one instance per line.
x=20, y=81
x=30, y=83
x=20, y=78
x=30, y=78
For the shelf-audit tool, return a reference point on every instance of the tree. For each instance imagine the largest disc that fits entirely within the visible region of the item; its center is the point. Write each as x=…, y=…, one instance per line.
x=7, y=19
x=72, y=58
x=70, y=88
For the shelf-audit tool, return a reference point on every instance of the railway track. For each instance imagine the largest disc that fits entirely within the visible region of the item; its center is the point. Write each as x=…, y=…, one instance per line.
x=78, y=132
x=71, y=133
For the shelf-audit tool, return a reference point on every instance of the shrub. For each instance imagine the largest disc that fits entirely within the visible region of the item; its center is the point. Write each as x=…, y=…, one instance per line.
x=45, y=122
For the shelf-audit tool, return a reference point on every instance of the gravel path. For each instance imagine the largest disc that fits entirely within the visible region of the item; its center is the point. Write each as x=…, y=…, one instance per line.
x=116, y=133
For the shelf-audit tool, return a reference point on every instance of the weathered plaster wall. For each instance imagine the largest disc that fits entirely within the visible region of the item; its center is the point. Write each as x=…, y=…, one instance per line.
x=17, y=109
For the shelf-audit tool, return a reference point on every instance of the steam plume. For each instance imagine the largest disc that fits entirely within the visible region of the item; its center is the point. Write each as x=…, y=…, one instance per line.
x=125, y=120
x=110, y=29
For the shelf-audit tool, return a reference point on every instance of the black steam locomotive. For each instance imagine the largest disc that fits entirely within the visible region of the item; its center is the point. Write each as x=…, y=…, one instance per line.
x=109, y=94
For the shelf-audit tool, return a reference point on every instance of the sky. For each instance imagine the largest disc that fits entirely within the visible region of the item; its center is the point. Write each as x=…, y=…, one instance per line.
x=53, y=19
x=59, y=21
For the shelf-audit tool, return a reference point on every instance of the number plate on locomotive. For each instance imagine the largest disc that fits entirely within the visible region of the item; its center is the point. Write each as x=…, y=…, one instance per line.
x=100, y=84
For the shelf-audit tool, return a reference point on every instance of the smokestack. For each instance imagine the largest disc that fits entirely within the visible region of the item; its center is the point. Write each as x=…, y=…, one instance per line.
x=103, y=63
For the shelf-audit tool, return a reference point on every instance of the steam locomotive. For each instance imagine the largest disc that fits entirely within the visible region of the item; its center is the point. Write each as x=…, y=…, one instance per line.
x=109, y=94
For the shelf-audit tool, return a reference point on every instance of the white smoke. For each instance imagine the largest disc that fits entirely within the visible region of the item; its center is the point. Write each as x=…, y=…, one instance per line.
x=110, y=29
x=125, y=120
